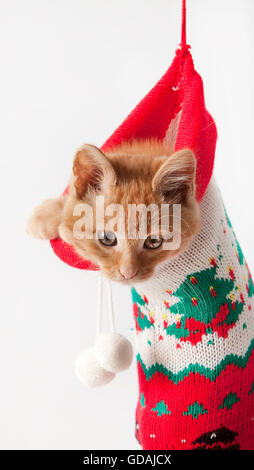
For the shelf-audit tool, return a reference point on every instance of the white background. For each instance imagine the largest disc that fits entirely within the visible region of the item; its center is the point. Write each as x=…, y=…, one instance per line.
x=70, y=71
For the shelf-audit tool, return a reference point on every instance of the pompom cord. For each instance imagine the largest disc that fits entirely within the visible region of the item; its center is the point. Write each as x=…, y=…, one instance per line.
x=112, y=353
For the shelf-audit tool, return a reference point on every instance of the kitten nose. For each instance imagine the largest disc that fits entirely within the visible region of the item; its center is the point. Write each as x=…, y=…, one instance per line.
x=128, y=274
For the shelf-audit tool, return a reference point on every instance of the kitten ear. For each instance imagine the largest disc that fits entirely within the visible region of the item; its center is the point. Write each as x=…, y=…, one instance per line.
x=176, y=177
x=92, y=170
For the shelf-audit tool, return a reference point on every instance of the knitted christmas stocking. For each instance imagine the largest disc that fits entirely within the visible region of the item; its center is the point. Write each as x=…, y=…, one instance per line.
x=195, y=336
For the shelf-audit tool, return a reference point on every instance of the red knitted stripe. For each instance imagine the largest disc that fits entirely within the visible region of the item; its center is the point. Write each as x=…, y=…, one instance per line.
x=178, y=428
x=67, y=254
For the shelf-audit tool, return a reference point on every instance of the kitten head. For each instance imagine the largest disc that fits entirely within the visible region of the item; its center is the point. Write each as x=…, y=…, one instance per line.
x=119, y=211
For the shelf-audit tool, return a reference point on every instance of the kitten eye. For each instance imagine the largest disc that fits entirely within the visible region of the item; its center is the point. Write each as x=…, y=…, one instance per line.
x=153, y=242
x=107, y=238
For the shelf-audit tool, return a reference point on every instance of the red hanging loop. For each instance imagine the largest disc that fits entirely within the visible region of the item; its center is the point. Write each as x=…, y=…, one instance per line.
x=183, y=46
x=183, y=38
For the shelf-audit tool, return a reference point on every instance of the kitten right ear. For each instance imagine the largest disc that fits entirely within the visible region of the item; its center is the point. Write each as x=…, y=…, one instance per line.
x=175, y=179
x=92, y=170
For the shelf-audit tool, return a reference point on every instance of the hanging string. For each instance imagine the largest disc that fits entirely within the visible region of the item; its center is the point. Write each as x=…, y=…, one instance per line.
x=110, y=308
x=99, y=306
x=183, y=38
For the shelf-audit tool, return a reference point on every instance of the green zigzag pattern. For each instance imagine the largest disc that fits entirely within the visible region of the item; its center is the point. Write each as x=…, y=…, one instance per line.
x=212, y=374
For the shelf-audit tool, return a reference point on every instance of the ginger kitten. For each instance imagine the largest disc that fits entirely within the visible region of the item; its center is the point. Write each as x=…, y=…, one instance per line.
x=142, y=172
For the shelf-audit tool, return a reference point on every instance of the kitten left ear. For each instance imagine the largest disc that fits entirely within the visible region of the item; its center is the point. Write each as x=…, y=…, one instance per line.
x=176, y=177
x=92, y=170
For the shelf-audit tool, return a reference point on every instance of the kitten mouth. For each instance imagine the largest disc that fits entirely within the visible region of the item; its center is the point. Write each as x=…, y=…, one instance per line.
x=128, y=275
x=139, y=277
x=118, y=277
x=129, y=282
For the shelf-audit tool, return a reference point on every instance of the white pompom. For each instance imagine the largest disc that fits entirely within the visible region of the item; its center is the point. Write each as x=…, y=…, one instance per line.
x=113, y=352
x=89, y=371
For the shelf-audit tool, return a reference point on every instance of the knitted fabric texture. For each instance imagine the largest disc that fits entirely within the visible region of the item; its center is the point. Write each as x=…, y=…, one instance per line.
x=195, y=336
x=174, y=111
